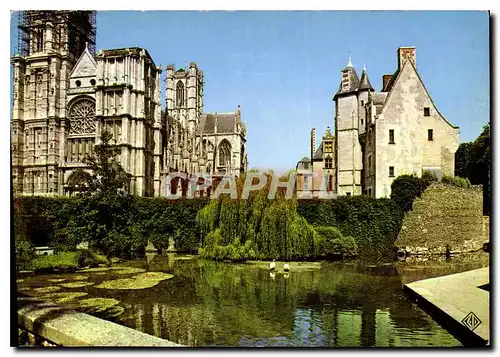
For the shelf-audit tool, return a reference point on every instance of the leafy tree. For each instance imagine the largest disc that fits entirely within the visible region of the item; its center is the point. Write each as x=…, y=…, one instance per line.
x=106, y=208
x=473, y=161
x=463, y=158
x=108, y=178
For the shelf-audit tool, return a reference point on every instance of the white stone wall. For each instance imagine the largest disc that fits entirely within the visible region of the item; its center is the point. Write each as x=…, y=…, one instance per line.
x=404, y=113
x=349, y=156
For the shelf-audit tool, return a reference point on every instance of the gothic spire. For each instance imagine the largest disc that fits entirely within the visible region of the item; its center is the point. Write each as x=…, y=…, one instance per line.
x=349, y=63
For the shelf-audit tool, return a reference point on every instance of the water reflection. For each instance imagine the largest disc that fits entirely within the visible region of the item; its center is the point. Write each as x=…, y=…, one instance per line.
x=213, y=304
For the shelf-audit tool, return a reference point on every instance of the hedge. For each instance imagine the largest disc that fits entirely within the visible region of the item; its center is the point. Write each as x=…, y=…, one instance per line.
x=64, y=222
x=374, y=223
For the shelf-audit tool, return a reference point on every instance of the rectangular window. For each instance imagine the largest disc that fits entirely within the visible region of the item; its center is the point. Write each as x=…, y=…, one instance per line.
x=391, y=136
x=362, y=103
x=328, y=163
x=427, y=112
x=430, y=135
x=369, y=192
x=348, y=194
x=391, y=171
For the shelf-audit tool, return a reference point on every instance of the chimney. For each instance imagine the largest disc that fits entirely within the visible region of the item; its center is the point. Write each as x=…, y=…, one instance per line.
x=313, y=142
x=385, y=81
x=404, y=53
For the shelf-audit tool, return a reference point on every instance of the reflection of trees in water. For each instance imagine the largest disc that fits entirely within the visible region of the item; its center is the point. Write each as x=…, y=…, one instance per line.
x=210, y=303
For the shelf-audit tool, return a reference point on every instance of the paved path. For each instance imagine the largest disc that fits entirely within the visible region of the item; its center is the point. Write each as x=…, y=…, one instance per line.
x=449, y=299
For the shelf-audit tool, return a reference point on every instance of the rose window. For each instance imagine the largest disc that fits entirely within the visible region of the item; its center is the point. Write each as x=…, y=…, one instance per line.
x=82, y=117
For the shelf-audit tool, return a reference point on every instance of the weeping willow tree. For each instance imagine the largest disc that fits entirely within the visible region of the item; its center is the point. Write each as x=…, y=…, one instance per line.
x=257, y=227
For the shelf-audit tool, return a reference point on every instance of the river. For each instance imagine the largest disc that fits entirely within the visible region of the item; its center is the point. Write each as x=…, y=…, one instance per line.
x=324, y=304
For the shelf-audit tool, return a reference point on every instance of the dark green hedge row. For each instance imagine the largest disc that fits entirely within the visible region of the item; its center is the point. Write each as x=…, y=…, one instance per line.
x=51, y=221
x=374, y=223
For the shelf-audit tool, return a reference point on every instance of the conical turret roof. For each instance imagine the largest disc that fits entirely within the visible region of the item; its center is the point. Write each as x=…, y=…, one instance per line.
x=364, y=82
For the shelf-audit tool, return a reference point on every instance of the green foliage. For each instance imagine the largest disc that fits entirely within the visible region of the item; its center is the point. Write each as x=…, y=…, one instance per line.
x=108, y=177
x=66, y=261
x=332, y=242
x=234, y=251
x=373, y=223
x=258, y=227
x=428, y=177
x=25, y=252
x=456, y=181
x=473, y=161
x=463, y=159
x=404, y=190
x=89, y=258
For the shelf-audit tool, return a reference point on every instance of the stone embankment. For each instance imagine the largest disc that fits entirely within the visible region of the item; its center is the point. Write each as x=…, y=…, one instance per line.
x=445, y=220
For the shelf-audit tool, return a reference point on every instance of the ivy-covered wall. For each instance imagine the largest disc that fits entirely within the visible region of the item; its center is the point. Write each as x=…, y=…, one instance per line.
x=374, y=223
x=444, y=215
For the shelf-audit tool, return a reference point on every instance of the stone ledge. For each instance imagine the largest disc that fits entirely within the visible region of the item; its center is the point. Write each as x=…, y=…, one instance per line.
x=66, y=327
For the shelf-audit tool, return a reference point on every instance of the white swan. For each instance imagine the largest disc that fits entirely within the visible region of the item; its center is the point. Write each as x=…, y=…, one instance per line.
x=272, y=266
x=286, y=267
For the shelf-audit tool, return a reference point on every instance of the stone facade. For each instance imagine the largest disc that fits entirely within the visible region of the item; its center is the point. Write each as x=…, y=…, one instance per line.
x=200, y=142
x=65, y=97
x=317, y=175
x=382, y=135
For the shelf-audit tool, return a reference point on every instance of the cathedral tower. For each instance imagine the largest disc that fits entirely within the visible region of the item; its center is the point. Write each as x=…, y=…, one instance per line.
x=49, y=44
x=185, y=95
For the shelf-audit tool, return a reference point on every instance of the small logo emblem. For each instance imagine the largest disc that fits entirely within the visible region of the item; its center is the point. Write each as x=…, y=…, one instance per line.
x=471, y=321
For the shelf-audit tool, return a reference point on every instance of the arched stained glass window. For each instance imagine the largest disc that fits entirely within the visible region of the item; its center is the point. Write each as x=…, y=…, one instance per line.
x=225, y=154
x=179, y=93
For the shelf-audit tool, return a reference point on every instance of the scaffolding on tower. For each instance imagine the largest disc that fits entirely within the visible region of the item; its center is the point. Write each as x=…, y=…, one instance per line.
x=72, y=30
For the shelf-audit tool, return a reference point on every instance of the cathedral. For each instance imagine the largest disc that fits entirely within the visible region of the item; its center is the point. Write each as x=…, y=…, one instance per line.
x=65, y=96
x=379, y=135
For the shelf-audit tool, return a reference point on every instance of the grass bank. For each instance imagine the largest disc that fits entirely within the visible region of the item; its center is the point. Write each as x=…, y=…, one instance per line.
x=66, y=261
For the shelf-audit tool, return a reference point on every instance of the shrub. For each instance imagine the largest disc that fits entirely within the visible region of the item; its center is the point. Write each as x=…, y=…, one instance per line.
x=25, y=252
x=333, y=242
x=404, y=190
x=87, y=257
x=456, y=181
x=428, y=177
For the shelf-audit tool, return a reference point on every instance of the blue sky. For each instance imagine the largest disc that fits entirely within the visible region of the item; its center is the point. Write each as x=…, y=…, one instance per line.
x=283, y=68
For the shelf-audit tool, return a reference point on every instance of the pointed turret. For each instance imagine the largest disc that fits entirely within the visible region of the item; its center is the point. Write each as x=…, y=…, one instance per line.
x=349, y=82
x=364, y=82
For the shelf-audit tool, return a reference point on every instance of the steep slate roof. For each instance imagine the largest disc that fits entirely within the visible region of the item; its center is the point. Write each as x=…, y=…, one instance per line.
x=391, y=81
x=318, y=155
x=225, y=123
x=353, y=82
x=378, y=97
x=364, y=82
